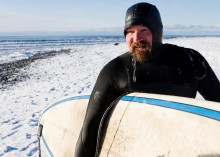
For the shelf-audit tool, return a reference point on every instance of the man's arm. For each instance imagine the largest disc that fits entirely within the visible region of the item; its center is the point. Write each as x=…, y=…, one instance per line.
x=209, y=86
x=105, y=92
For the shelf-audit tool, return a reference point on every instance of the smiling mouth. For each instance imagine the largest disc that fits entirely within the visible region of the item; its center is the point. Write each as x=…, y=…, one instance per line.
x=139, y=46
x=140, y=51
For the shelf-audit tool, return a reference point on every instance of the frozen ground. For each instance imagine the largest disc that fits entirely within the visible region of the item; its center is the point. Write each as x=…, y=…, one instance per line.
x=54, y=78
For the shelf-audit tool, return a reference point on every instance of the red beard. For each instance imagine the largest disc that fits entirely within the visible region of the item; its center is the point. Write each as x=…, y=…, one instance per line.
x=141, y=51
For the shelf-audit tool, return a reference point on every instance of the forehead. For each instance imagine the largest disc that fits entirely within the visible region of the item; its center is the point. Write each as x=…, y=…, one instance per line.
x=138, y=27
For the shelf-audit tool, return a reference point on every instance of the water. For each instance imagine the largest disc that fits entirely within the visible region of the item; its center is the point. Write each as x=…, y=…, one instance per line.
x=19, y=47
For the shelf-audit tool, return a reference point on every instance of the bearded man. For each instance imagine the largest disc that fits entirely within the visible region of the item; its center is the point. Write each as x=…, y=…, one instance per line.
x=151, y=67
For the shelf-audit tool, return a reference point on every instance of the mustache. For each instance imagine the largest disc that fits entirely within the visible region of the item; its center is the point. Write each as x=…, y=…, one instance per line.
x=141, y=44
x=141, y=51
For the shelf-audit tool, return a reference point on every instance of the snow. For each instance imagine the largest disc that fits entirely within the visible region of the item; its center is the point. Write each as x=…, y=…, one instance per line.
x=61, y=76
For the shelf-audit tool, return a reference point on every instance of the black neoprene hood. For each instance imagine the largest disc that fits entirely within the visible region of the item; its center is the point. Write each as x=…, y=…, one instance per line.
x=147, y=15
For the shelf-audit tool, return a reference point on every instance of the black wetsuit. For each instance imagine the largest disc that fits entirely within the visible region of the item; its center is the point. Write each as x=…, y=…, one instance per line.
x=175, y=71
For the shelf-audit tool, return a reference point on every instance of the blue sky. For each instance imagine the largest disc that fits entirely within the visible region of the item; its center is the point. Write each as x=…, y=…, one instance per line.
x=87, y=17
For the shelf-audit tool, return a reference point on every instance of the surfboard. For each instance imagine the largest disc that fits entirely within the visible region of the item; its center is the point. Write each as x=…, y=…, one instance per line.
x=141, y=125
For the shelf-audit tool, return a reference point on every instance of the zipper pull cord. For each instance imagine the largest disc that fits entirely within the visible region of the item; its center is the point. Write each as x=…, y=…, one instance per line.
x=134, y=69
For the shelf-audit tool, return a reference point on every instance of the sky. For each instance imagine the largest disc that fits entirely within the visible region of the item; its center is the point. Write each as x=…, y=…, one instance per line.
x=103, y=17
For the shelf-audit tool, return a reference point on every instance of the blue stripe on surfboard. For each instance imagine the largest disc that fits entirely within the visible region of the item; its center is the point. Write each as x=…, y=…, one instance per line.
x=47, y=147
x=57, y=103
x=151, y=101
x=213, y=114
x=66, y=100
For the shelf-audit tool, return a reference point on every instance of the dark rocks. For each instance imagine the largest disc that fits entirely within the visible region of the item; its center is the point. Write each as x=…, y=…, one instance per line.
x=10, y=73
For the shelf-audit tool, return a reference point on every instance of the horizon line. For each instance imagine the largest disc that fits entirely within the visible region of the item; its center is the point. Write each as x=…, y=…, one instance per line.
x=77, y=35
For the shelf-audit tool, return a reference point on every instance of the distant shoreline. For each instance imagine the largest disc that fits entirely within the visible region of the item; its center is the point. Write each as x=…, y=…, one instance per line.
x=188, y=36
x=52, y=37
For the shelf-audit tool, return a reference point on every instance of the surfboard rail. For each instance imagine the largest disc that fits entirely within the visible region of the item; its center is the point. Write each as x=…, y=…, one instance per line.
x=170, y=125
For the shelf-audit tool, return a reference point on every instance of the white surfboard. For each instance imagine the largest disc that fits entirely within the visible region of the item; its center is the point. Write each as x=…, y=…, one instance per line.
x=141, y=125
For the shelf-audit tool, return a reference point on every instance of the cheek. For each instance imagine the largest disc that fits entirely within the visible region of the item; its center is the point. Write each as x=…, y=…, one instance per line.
x=129, y=42
x=150, y=38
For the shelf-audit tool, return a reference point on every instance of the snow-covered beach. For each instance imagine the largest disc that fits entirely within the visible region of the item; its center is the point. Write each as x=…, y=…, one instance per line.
x=52, y=78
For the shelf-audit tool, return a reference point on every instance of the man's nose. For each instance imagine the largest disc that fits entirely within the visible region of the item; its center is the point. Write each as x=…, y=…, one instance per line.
x=137, y=37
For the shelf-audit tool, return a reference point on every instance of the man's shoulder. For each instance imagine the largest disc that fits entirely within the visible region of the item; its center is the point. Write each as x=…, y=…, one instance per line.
x=116, y=63
x=181, y=49
x=173, y=47
x=113, y=70
x=120, y=60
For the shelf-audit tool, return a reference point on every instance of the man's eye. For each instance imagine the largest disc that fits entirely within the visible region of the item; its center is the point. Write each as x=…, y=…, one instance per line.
x=146, y=31
x=129, y=32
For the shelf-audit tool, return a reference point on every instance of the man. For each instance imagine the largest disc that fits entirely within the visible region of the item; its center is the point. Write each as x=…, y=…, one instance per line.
x=150, y=67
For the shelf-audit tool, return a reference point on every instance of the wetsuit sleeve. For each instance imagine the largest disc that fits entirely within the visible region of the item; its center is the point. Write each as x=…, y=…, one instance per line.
x=209, y=86
x=107, y=89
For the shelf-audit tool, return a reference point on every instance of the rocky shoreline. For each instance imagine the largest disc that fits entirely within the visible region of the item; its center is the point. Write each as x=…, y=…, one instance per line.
x=10, y=73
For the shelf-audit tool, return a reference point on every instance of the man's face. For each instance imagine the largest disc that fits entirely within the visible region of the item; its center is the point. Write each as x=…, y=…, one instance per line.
x=139, y=41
